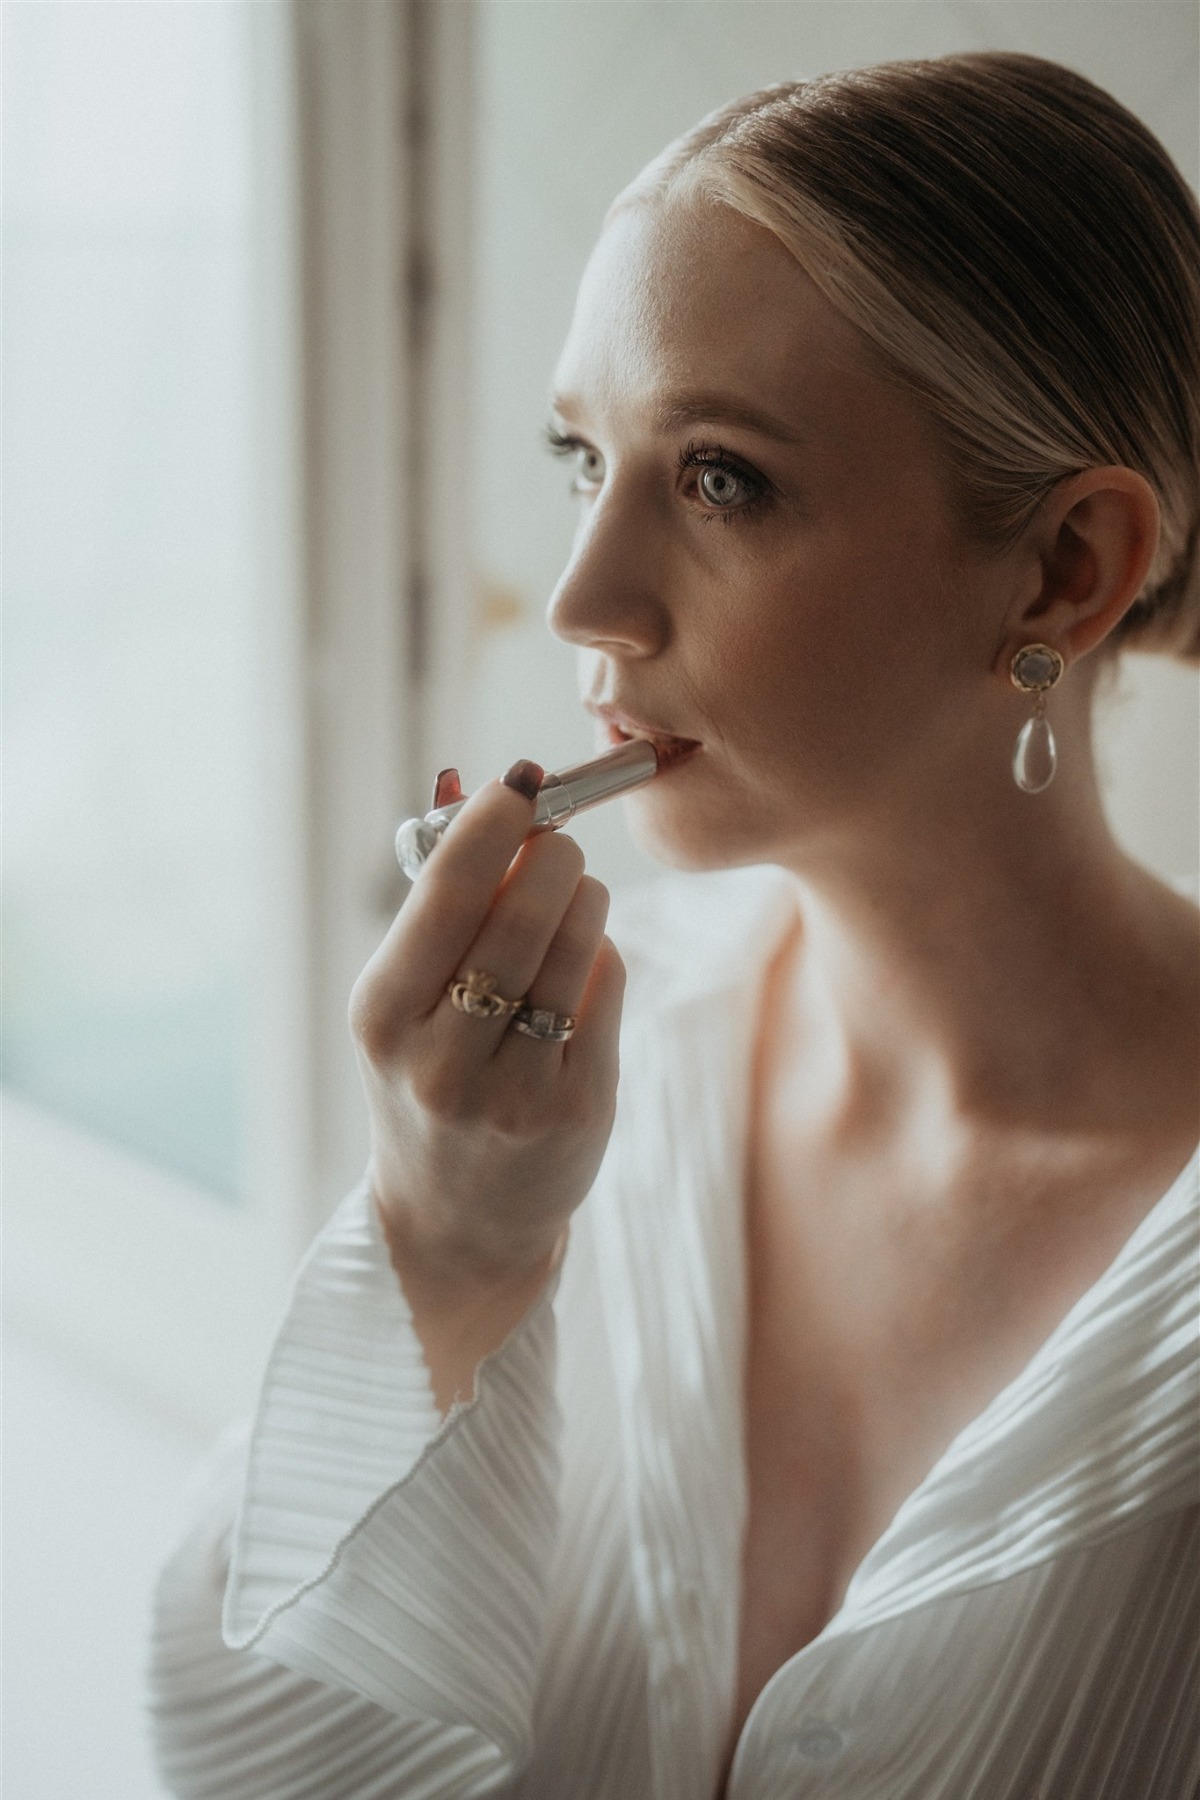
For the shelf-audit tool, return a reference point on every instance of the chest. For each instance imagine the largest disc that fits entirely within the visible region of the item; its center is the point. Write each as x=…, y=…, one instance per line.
x=859, y=1372
x=837, y=1426
x=879, y=1324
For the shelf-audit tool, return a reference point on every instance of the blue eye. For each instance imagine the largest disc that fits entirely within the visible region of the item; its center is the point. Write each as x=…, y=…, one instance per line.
x=589, y=464
x=720, y=485
x=728, y=490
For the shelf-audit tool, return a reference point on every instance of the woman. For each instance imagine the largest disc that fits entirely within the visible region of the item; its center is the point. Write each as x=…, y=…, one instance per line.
x=818, y=1417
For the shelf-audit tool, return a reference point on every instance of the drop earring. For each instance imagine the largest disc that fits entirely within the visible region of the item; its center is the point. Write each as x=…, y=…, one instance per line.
x=1034, y=669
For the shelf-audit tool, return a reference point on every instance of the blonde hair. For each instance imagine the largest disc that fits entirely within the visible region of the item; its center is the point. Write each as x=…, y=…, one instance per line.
x=1023, y=254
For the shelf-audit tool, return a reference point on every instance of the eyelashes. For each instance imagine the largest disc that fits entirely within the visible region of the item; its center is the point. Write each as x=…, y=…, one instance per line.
x=561, y=445
x=704, y=458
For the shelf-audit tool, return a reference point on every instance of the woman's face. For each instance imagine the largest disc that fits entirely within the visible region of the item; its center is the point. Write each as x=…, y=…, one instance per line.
x=767, y=559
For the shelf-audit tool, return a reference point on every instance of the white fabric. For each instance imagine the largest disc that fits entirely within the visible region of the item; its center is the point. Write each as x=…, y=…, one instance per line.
x=538, y=1596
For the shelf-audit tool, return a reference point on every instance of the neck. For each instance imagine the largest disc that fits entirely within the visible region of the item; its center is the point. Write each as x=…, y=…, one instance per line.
x=985, y=961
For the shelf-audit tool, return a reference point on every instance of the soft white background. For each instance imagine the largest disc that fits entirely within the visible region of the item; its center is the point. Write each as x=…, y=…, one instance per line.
x=573, y=98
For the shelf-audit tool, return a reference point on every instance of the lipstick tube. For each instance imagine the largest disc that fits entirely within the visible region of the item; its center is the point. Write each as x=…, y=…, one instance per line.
x=561, y=796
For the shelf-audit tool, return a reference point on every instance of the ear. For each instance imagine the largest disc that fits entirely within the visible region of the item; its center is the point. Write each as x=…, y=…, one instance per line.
x=1091, y=543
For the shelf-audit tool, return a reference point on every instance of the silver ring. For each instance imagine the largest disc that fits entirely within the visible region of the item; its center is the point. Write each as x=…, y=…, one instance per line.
x=538, y=1022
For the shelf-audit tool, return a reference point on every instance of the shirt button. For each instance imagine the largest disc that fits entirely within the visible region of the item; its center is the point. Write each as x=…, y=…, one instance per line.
x=818, y=1741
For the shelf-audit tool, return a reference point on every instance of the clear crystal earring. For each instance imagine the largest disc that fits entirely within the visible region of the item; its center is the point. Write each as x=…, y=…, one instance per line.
x=1034, y=669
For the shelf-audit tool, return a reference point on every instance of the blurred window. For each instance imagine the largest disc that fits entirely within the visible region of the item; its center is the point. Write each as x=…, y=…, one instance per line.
x=131, y=536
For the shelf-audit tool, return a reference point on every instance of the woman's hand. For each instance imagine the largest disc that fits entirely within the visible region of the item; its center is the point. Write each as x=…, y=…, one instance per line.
x=483, y=1140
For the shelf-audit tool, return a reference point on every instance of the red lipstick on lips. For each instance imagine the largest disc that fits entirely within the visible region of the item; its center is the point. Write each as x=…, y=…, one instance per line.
x=675, y=750
x=621, y=728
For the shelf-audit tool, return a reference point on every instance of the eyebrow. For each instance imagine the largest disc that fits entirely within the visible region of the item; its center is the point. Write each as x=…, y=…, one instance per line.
x=672, y=412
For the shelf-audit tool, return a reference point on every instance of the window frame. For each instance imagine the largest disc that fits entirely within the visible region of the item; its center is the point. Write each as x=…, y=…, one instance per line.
x=173, y=1290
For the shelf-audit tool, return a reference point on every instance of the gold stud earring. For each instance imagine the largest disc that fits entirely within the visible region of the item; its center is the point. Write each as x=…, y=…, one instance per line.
x=1035, y=669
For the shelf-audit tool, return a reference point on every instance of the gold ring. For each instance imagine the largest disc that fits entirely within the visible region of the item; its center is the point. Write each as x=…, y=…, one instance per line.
x=477, y=996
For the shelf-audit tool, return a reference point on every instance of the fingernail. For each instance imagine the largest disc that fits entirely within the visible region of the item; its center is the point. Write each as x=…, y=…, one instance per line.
x=525, y=777
x=447, y=788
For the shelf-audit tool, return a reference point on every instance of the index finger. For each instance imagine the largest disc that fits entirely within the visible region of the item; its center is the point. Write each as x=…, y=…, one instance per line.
x=451, y=897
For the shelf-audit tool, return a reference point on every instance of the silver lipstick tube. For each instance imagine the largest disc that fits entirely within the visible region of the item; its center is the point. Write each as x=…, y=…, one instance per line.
x=561, y=796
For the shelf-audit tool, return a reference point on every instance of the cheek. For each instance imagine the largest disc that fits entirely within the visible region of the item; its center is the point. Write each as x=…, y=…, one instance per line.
x=844, y=643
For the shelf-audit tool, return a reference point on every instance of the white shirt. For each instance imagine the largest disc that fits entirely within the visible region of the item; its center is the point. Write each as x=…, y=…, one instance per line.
x=538, y=1596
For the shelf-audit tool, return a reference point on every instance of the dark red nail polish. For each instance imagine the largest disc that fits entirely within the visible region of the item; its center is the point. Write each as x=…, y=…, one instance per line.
x=525, y=777
x=447, y=788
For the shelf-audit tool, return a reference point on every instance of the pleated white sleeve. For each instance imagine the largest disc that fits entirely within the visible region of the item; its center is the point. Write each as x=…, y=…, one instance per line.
x=384, y=1579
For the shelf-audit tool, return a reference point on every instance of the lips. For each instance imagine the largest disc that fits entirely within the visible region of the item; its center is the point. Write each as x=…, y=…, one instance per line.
x=621, y=726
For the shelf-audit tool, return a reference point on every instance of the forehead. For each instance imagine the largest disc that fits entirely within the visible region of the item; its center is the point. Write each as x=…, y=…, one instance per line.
x=691, y=296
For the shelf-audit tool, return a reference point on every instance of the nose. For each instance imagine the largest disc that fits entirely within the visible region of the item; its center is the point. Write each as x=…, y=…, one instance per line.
x=610, y=595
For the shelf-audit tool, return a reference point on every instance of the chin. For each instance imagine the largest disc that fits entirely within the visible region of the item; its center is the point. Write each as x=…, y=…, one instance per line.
x=692, y=838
